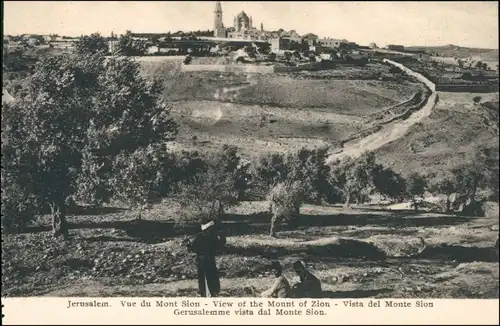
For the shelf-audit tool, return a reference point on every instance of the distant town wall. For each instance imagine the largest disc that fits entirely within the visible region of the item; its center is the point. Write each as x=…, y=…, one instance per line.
x=303, y=66
x=256, y=69
x=230, y=68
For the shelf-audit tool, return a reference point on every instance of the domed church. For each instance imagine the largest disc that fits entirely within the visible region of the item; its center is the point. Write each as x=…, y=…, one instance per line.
x=242, y=22
x=242, y=26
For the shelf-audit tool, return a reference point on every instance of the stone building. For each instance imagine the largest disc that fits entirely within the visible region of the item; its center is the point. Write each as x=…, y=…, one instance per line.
x=219, y=29
x=242, y=26
x=330, y=42
x=288, y=44
x=242, y=22
x=395, y=47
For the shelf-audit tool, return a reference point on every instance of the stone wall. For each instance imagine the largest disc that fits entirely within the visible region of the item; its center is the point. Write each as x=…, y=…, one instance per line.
x=230, y=68
x=256, y=69
x=410, y=72
x=465, y=88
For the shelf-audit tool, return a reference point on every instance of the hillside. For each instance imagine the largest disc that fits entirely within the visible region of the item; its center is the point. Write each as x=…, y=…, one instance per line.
x=458, y=51
x=443, y=140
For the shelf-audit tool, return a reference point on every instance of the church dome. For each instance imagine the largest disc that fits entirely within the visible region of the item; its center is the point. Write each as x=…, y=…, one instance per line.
x=242, y=15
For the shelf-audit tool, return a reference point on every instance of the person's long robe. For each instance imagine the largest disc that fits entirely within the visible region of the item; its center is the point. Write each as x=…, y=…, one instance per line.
x=205, y=246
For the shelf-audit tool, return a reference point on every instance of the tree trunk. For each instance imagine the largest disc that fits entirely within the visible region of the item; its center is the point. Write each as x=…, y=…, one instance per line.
x=347, y=201
x=294, y=218
x=217, y=210
x=448, y=204
x=59, y=223
x=221, y=210
x=272, y=231
x=472, y=195
x=415, y=205
x=297, y=211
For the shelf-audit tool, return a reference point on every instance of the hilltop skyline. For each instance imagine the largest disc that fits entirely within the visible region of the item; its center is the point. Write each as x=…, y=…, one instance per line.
x=468, y=24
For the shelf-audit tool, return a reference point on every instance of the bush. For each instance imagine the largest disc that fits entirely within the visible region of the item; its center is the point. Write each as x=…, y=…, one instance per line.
x=127, y=46
x=17, y=208
x=306, y=165
x=91, y=44
x=206, y=187
x=285, y=199
x=137, y=175
x=364, y=177
x=269, y=170
x=415, y=189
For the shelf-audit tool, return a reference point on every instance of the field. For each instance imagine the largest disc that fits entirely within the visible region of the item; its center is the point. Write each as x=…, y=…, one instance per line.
x=278, y=112
x=357, y=253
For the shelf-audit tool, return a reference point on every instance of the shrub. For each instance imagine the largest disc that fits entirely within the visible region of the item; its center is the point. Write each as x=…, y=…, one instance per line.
x=17, y=208
x=93, y=43
x=127, y=46
x=306, y=165
x=416, y=187
x=363, y=177
x=285, y=199
x=217, y=182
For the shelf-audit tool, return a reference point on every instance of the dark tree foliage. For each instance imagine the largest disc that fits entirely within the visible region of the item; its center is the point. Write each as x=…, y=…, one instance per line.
x=82, y=125
x=128, y=46
x=217, y=182
x=91, y=44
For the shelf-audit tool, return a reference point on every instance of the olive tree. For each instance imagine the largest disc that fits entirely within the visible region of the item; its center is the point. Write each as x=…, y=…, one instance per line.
x=415, y=189
x=83, y=121
x=215, y=185
x=447, y=187
x=286, y=198
x=128, y=46
x=92, y=43
x=362, y=177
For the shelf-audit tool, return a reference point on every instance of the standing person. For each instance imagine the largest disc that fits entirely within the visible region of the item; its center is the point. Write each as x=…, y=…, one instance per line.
x=309, y=285
x=281, y=287
x=205, y=245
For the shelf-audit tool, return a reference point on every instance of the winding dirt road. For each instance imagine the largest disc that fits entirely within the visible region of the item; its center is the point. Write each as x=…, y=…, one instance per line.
x=389, y=133
x=355, y=148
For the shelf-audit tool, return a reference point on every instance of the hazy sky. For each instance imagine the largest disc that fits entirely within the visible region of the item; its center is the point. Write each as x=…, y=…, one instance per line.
x=408, y=23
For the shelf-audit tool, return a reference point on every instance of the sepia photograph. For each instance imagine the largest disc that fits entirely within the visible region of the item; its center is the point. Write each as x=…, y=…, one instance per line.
x=231, y=149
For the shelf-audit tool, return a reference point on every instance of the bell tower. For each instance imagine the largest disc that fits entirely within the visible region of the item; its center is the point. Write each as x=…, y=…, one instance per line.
x=219, y=29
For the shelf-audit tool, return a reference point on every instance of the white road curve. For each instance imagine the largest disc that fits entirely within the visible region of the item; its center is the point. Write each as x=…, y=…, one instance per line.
x=389, y=132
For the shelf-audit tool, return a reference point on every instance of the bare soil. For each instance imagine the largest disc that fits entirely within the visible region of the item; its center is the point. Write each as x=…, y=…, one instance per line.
x=279, y=112
x=364, y=252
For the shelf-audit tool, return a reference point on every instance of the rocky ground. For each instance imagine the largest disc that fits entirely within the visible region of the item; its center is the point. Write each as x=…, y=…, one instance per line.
x=355, y=253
